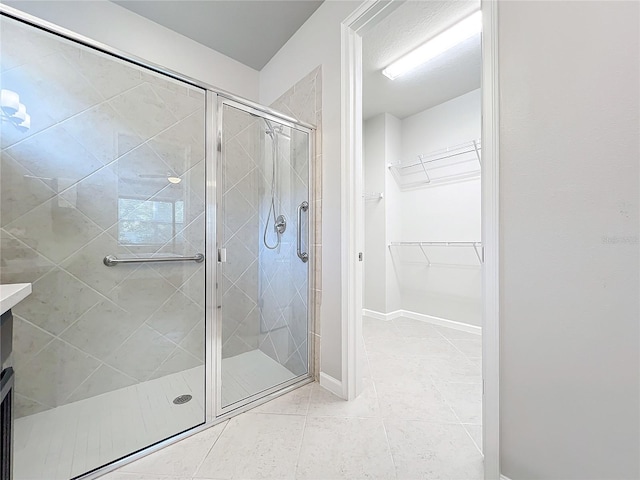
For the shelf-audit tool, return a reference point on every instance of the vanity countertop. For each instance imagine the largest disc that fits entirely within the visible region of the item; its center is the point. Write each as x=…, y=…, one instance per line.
x=13, y=293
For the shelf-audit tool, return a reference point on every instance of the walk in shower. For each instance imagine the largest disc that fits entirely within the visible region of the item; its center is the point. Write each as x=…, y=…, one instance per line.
x=165, y=229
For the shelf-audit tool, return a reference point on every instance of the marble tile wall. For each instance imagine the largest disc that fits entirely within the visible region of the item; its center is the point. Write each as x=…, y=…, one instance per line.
x=304, y=101
x=89, y=179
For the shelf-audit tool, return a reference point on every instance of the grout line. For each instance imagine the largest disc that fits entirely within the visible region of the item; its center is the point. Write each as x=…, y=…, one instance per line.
x=386, y=437
x=304, y=431
x=238, y=327
x=471, y=437
x=47, y=407
x=104, y=166
x=68, y=118
x=224, y=429
x=233, y=234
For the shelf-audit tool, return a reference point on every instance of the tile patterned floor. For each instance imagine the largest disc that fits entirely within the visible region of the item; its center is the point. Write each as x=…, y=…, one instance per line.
x=418, y=418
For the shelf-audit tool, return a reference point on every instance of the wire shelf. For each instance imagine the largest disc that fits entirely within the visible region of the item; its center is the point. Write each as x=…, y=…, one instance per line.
x=448, y=165
x=424, y=246
x=372, y=196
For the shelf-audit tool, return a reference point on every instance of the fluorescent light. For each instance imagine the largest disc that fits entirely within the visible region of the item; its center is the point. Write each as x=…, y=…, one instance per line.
x=439, y=44
x=9, y=101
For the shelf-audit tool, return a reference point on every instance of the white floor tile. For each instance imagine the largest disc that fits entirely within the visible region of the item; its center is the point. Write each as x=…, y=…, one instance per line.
x=255, y=446
x=325, y=404
x=413, y=347
x=475, y=432
x=372, y=328
x=424, y=450
x=472, y=348
x=180, y=459
x=456, y=369
x=465, y=399
x=418, y=418
x=139, y=476
x=414, y=401
x=452, y=333
x=415, y=328
x=345, y=448
x=390, y=368
x=293, y=403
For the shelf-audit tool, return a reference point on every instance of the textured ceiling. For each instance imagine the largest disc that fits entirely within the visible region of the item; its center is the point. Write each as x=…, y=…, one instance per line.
x=450, y=75
x=250, y=31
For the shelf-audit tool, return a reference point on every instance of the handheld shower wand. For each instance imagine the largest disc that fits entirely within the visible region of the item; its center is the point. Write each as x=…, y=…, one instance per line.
x=280, y=222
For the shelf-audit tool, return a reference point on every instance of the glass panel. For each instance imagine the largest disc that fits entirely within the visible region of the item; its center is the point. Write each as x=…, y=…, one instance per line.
x=110, y=161
x=264, y=283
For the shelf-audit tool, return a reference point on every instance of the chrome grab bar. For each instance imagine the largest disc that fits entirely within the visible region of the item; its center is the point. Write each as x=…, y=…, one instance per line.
x=303, y=207
x=112, y=260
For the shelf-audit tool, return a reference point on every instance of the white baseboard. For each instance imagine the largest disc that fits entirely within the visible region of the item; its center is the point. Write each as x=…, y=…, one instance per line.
x=331, y=384
x=381, y=316
x=443, y=322
x=502, y=477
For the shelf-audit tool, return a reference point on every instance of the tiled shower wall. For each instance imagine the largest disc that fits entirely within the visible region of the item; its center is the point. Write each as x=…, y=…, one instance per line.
x=304, y=101
x=80, y=184
x=241, y=167
x=265, y=300
x=265, y=290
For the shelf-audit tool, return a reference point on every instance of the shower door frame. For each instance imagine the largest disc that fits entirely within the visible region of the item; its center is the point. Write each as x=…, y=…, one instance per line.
x=265, y=395
x=213, y=414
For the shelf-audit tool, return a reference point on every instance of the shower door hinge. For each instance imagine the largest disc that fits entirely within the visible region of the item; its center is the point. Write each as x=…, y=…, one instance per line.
x=359, y=256
x=222, y=255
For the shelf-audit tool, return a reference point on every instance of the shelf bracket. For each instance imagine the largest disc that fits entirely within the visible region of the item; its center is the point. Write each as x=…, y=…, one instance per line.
x=479, y=253
x=475, y=147
x=425, y=169
x=425, y=255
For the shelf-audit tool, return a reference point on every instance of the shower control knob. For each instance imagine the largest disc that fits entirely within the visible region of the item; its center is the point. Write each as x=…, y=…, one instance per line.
x=281, y=224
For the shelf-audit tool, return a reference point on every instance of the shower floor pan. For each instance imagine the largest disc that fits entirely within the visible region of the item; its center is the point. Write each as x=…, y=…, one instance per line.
x=72, y=439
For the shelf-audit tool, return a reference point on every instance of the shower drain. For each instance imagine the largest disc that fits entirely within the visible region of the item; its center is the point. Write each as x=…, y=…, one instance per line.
x=180, y=399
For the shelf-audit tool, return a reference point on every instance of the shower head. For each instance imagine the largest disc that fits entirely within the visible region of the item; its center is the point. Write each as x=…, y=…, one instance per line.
x=271, y=129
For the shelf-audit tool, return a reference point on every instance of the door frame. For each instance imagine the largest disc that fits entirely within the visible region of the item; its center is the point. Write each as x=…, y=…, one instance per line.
x=217, y=242
x=352, y=29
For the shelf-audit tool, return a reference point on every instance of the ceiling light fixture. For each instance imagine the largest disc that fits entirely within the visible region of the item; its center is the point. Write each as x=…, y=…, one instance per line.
x=13, y=111
x=439, y=44
x=170, y=177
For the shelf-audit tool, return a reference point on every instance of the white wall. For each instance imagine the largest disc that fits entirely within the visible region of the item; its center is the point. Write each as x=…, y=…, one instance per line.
x=120, y=28
x=393, y=150
x=374, y=284
x=451, y=212
x=569, y=226
x=382, y=138
x=446, y=212
x=317, y=42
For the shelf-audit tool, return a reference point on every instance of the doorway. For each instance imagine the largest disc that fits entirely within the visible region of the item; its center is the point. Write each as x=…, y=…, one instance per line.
x=433, y=268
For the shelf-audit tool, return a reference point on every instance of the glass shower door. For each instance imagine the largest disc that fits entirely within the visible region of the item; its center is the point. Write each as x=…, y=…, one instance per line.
x=263, y=238
x=100, y=159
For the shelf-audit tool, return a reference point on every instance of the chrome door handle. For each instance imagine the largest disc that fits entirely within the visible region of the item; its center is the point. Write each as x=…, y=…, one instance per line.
x=304, y=256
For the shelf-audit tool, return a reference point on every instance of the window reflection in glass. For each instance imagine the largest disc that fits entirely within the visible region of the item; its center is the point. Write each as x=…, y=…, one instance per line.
x=148, y=222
